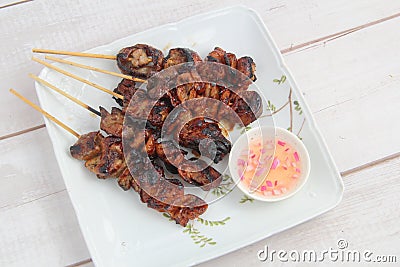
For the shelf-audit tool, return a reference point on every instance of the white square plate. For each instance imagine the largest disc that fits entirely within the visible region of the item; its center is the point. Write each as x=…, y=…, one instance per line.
x=122, y=231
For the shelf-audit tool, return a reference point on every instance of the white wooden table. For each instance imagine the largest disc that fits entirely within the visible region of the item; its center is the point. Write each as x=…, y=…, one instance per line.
x=344, y=54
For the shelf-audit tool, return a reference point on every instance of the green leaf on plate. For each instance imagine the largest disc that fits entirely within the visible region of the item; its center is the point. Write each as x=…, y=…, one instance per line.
x=271, y=106
x=245, y=199
x=297, y=107
x=212, y=223
x=281, y=80
x=225, y=186
x=245, y=129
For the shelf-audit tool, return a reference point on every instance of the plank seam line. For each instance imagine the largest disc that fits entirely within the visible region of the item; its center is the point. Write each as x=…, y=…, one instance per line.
x=23, y=131
x=284, y=51
x=79, y=263
x=338, y=34
x=331, y=106
x=324, y=42
x=370, y=164
x=32, y=200
x=16, y=3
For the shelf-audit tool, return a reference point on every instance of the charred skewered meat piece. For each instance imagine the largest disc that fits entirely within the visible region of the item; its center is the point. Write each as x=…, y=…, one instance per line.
x=158, y=86
x=180, y=55
x=170, y=155
x=207, y=178
x=127, y=88
x=144, y=108
x=104, y=156
x=140, y=60
x=112, y=123
x=140, y=138
x=159, y=112
x=198, y=173
x=245, y=64
x=248, y=105
x=87, y=146
x=197, y=131
x=219, y=55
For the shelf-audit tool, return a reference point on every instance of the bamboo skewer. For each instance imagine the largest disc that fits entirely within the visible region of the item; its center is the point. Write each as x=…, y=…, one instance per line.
x=117, y=74
x=50, y=117
x=50, y=66
x=60, y=52
x=73, y=99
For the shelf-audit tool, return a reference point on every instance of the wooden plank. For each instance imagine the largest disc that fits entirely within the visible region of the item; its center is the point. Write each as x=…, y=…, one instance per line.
x=42, y=233
x=351, y=85
x=367, y=218
x=8, y=3
x=358, y=219
x=77, y=27
x=374, y=86
x=29, y=169
x=38, y=224
x=83, y=263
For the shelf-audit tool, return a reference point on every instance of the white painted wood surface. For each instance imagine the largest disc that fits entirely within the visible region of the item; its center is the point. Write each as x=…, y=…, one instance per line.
x=367, y=218
x=351, y=84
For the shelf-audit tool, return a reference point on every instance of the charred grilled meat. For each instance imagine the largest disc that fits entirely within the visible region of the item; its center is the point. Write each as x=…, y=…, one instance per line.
x=140, y=138
x=159, y=112
x=126, y=88
x=104, y=156
x=248, y=105
x=197, y=173
x=221, y=56
x=247, y=66
x=138, y=167
x=87, y=146
x=112, y=123
x=180, y=55
x=159, y=86
x=140, y=107
x=111, y=162
x=170, y=155
x=207, y=134
x=207, y=178
x=140, y=60
x=145, y=108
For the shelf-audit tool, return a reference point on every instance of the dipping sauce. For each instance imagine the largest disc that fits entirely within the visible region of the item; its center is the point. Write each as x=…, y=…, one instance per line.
x=283, y=176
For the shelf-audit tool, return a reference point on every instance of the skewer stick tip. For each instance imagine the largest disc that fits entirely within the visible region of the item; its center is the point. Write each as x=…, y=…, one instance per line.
x=51, y=66
x=50, y=117
x=58, y=90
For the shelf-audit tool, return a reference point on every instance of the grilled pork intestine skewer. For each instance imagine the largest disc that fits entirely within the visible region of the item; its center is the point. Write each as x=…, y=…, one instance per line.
x=82, y=66
x=47, y=115
x=140, y=60
x=162, y=107
x=132, y=62
x=118, y=167
x=112, y=124
x=164, y=195
x=190, y=90
x=58, y=90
